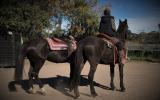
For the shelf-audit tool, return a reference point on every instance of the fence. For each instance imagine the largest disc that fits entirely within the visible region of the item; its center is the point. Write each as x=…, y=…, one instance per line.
x=143, y=51
x=8, y=50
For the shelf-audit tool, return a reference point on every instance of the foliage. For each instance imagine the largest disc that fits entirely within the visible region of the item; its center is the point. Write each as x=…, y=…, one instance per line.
x=143, y=37
x=78, y=13
x=22, y=15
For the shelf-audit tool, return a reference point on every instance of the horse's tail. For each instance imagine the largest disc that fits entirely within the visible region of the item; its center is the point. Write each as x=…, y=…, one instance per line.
x=20, y=63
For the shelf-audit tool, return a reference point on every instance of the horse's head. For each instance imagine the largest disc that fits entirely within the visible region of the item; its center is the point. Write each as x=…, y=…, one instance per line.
x=122, y=30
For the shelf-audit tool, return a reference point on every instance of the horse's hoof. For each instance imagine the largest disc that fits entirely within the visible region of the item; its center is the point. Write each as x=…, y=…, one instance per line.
x=123, y=89
x=70, y=89
x=94, y=94
x=32, y=91
x=42, y=91
x=77, y=97
x=112, y=88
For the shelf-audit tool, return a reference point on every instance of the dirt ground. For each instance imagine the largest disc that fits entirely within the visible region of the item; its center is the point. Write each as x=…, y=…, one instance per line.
x=141, y=80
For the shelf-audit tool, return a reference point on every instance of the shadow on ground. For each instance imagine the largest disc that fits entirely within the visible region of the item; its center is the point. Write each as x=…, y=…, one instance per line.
x=60, y=83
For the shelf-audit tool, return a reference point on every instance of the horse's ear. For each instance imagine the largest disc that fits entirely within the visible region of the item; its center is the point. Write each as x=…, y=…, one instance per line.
x=125, y=20
x=120, y=21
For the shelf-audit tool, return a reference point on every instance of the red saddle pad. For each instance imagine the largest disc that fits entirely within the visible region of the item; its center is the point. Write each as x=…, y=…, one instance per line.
x=57, y=44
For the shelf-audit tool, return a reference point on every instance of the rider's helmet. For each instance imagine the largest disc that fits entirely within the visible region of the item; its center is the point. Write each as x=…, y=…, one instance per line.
x=107, y=11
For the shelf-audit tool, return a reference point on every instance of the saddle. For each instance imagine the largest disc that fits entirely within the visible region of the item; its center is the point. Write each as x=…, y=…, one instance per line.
x=58, y=44
x=113, y=40
x=111, y=43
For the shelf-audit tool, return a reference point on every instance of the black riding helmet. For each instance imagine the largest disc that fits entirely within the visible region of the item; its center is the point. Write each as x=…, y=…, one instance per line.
x=107, y=11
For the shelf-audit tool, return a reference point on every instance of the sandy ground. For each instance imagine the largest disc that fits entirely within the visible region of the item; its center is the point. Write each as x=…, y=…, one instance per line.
x=141, y=80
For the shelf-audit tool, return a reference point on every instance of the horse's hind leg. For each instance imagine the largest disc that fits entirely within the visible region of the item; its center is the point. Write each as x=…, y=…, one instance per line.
x=30, y=82
x=72, y=66
x=38, y=66
x=93, y=67
x=112, y=76
x=121, y=77
x=71, y=76
x=33, y=73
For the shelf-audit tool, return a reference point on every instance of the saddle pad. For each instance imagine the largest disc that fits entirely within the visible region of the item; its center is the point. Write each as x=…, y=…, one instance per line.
x=57, y=44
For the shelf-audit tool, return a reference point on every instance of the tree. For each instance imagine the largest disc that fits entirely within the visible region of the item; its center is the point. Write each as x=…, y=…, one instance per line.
x=23, y=15
x=77, y=12
x=20, y=15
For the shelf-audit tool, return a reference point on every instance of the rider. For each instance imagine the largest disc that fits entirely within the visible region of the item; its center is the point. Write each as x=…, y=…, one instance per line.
x=107, y=30
x=107, y=23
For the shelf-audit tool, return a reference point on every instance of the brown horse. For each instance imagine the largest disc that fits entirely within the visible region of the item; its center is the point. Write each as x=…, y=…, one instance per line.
x=95, y=51
x=38, y=51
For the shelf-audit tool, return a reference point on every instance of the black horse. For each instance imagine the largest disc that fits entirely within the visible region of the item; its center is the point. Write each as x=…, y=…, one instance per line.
x=95, y=50
x=37, y=51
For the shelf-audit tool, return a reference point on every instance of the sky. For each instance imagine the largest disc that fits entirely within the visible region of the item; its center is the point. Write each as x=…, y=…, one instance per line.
x=142, y=15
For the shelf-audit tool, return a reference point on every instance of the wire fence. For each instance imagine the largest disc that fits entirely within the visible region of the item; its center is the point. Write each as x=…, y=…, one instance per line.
x=144, y=51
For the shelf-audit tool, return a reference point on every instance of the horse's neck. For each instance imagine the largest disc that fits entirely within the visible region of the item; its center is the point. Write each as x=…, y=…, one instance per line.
x=120, y=35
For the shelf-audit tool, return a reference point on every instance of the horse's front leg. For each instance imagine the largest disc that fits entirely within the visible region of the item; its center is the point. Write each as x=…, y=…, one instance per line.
x=121, y=77
x=112, y=76
x=71, y=81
